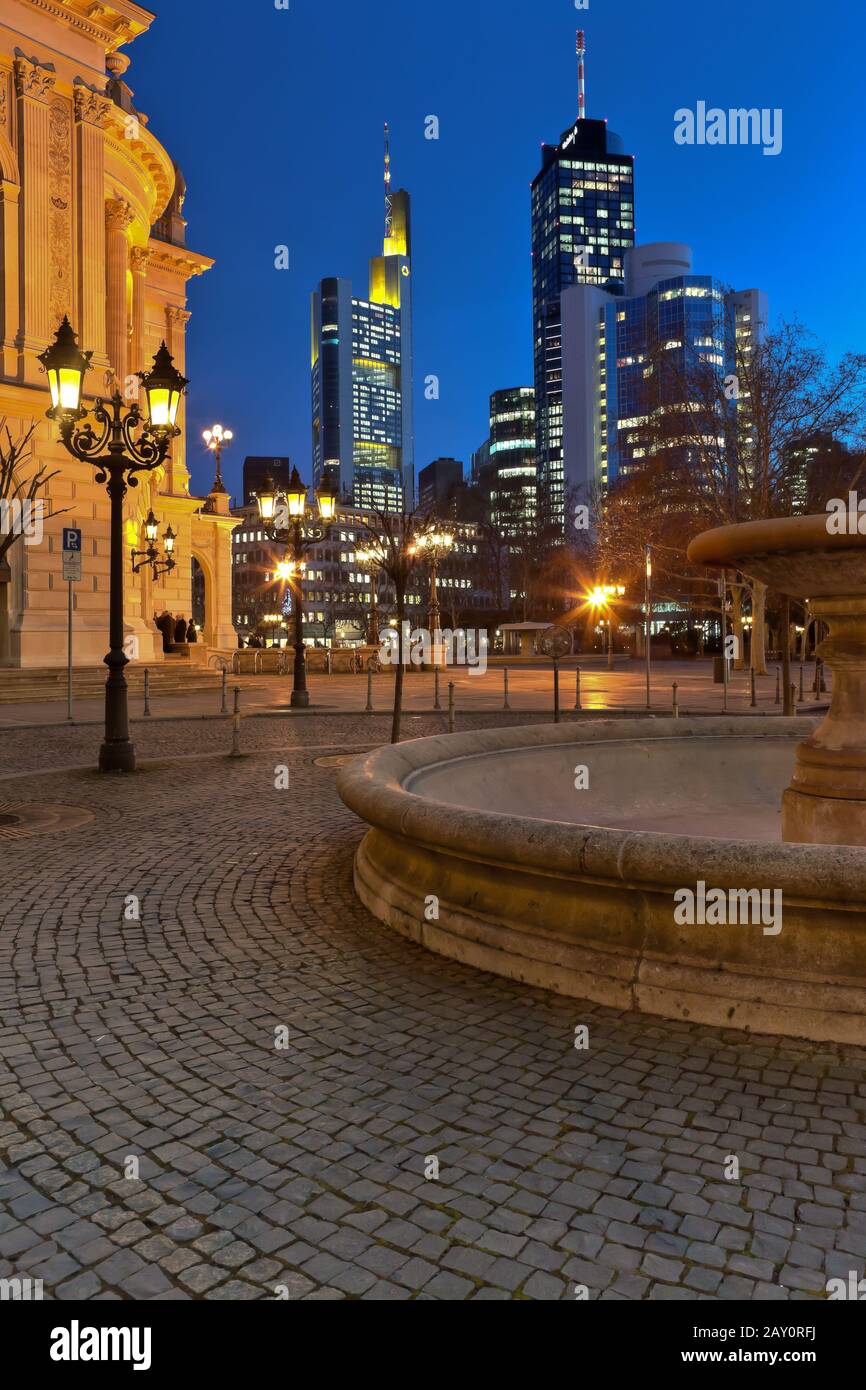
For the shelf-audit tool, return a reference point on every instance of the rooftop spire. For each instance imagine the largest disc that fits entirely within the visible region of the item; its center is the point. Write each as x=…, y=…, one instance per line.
x=389, y=207
x=581, y=89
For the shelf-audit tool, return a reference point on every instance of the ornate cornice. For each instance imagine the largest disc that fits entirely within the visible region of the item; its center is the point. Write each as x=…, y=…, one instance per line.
x=177, y=260
x=33, y=79
x=110, y=24
x=131, y=141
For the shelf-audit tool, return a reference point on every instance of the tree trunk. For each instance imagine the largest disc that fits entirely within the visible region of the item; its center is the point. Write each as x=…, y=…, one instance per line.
x=758, y=656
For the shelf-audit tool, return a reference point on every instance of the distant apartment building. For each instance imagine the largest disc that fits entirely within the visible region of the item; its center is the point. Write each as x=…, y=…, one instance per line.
x=437, y=484
x=337, y=590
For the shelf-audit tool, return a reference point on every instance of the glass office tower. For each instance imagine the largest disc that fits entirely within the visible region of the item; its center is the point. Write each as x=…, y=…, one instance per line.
x=363, y=433
x=582, y=226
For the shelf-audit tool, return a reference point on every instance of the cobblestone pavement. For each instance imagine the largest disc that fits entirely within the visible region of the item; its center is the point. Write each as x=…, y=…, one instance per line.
x=302, y=1168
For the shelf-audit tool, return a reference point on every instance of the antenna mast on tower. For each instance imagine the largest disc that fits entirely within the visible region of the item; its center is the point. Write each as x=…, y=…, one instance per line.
x=389, y=206
x=581, y=90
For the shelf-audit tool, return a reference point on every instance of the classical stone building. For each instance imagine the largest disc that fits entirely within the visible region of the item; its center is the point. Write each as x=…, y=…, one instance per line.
x=91, y=226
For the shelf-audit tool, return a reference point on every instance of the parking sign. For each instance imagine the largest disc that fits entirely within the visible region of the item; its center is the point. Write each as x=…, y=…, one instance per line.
x=71, y=540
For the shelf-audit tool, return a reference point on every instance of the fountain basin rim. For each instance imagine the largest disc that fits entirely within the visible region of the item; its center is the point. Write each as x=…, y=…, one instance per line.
x=374, y=787
x=724, y=546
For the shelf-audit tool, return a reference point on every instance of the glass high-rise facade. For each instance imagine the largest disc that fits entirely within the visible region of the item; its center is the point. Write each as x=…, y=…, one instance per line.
x=512, y=456
x=582, y=226
x=363, y=433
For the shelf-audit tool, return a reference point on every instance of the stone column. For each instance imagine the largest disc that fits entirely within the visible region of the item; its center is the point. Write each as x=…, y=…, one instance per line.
x=91, y=110
x=34, y=87
x=119, y=216
x=177, y=319
x=140, y=259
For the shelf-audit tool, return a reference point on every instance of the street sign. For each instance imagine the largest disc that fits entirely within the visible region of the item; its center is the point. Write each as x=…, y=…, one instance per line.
x=72, y=554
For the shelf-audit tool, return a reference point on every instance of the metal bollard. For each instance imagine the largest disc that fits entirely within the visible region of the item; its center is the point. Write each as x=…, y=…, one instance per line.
x=505, y=704
x=450, y=707
x=556, y=692
x=577, y=704
x=236, y=725
x=328, y=662
x=224, y=709
x=778, y=686
x=754, y=700
x=146, y=693
x=676, y=707
x=369, y=692
x=436, y=701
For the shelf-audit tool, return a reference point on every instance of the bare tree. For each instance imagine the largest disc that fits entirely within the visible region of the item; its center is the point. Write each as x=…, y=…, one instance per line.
x=391, y=542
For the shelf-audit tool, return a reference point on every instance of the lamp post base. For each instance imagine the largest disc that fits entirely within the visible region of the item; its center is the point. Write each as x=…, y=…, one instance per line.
x=117, y=757
x=300, y=699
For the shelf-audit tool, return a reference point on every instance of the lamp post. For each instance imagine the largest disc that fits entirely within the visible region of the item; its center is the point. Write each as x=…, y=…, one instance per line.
x=217, y=439
x=435, y=545
x=126, y=444
x=286, y=520
x=368, y=561
x=150, y=556
x=603, y=596
x=648, y=595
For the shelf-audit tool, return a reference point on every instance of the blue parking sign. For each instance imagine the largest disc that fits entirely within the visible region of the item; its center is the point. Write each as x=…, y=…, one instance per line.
x=72, y=540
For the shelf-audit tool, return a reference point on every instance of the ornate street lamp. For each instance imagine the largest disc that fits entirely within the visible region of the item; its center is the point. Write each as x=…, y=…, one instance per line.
x=150, y=556
x=434, y=544
x=127, y=443
x=370, y=564
x=217, y=439
x=287, y=520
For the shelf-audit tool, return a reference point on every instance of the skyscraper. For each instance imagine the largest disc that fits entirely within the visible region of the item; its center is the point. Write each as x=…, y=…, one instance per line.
x=363, y=432
x=512, y=456
x=582, y=226
x=612, y=345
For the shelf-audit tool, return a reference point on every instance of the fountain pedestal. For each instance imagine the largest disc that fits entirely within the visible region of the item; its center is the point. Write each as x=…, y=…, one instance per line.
x=826, y=801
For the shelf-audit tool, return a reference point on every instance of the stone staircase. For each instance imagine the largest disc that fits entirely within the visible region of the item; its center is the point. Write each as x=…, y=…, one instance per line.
x=49, y=683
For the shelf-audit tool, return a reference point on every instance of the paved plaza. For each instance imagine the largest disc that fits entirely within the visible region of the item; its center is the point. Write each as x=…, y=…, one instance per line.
x=190, y=991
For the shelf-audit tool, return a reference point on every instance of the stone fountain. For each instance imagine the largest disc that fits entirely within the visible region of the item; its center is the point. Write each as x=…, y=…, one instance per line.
x=826, y=801
x=557, y=854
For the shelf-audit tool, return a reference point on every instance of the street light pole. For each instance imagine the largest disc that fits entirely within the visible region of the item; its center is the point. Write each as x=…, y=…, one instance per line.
x=649, y=625
x=125, y=445
x=283, y=516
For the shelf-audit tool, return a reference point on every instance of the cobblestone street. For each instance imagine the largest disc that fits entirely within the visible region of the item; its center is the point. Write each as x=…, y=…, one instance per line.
x=149, y=958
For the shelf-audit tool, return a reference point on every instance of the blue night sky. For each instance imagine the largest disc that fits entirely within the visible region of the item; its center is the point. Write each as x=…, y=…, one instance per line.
x=276, y=119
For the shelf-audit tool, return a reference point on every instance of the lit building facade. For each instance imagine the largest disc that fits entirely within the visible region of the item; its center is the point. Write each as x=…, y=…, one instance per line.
x=582, y=226
x=612, y=345
x=92, y=226
x=362, y=377
x=512, y=475
x=337, y=591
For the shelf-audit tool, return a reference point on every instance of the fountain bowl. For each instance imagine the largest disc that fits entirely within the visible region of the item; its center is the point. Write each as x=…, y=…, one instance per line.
x=483, y=848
